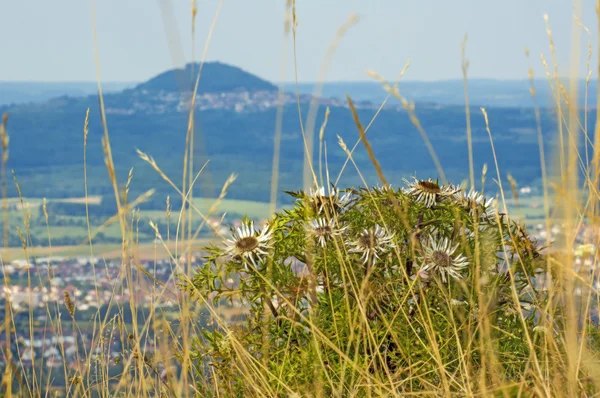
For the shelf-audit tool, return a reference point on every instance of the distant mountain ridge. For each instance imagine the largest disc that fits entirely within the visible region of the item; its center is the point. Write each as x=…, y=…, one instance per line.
x=482, y=92
x=221, y=87
x=16, y=92
x=216, y=77
x=235, y=130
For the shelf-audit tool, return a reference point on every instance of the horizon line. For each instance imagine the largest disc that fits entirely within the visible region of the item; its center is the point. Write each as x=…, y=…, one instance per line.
x=458, y=79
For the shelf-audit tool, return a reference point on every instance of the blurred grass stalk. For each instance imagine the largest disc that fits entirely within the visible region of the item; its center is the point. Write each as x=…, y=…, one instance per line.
x=7, y=376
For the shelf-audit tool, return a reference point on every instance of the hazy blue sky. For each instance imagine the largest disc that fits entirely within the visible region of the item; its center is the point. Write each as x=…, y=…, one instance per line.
x=52, y=40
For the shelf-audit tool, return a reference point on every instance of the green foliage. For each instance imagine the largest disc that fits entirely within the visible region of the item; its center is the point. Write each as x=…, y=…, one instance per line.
x=388, y=288
x=47, y=144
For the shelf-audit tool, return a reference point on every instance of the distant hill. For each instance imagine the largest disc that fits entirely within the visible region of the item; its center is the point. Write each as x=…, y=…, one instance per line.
x=235, y=131
x=219, y=77
x=216, y=77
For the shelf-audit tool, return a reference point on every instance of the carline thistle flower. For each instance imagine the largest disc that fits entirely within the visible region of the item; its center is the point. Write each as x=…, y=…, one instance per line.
x=477, y=204
x=428, y=192
x=320, y=198
x=371, y=243
x=439, y=257
x=324, y=230
x=248, y=244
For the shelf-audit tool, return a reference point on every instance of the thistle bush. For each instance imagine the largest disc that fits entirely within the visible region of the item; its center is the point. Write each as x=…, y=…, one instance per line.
x=383, y=290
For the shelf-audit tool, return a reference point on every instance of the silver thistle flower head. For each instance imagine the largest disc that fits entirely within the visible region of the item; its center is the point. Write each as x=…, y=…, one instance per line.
x=321, y=197
x=323, y=230
x=477, y=204
x=428, y=192
x=371, y=243
x=249, y=244
x=439, y=257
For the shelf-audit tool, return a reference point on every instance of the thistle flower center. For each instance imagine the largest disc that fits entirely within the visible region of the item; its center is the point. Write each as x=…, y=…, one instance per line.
x=368, y=241
x=429, y=187
x=323, y=231
x=247, y=244
x=441, y=259
x=321, y=201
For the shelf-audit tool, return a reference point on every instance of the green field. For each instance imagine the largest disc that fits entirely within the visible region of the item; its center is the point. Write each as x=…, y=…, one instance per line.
x=65, y=230
x=254, y=210
x=529, y=210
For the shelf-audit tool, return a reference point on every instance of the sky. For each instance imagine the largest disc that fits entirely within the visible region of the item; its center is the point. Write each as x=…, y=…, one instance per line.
x=137, y=39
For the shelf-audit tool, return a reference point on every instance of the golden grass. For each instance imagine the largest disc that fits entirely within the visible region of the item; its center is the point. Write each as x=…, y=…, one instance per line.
x=563, y=354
